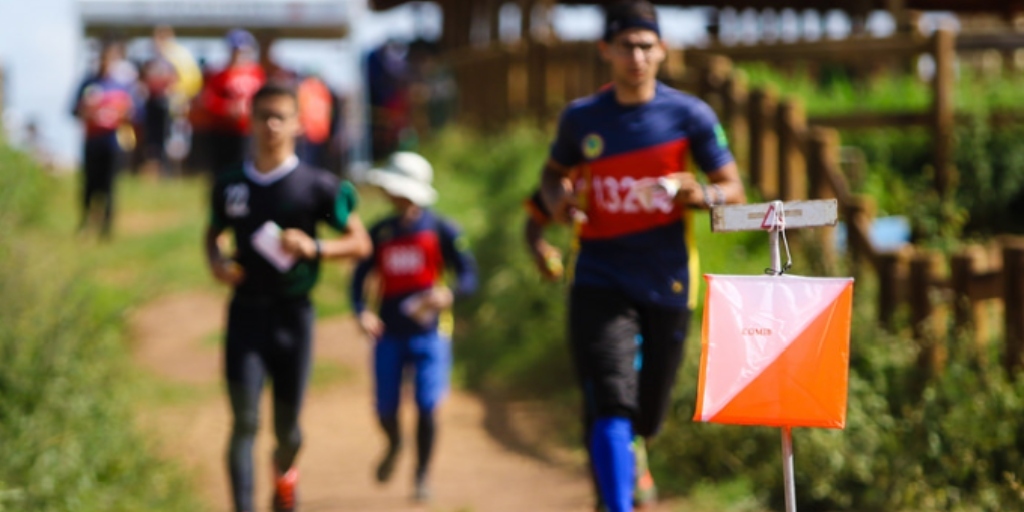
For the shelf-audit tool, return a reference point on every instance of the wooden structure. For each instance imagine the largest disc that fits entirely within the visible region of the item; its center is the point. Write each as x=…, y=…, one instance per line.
x=463, y=18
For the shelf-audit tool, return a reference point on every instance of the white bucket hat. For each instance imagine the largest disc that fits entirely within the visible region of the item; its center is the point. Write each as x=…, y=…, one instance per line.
x=406, y=175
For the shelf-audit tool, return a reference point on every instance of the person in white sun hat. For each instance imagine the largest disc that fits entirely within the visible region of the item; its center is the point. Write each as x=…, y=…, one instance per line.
x=411, y=250
x=407, y=175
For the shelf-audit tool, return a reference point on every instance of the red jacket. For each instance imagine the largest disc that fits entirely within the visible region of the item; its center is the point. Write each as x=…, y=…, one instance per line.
x=228, y=94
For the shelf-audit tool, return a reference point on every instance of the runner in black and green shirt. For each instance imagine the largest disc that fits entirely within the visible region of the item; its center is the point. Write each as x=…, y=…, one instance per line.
x=273, y=203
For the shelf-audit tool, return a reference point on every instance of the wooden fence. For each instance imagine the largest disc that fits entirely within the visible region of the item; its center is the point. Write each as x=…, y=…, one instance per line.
x=789, y=156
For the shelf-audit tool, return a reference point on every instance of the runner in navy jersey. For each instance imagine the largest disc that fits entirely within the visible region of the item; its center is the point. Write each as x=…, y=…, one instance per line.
x=411, y=327
x=103, y=104
x=636, y=267
x=274, y=205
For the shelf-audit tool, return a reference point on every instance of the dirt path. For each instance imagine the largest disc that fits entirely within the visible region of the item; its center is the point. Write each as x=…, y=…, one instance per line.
x=473, y=472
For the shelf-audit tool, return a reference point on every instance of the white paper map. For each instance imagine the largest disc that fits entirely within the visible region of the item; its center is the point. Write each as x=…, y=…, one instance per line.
x=267, y=242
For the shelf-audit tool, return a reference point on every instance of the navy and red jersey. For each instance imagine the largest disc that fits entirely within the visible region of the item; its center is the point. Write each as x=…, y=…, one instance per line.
x=411, y=259
x=227, y=96
x=103, y=104
x=295, y=195
x=627, y=244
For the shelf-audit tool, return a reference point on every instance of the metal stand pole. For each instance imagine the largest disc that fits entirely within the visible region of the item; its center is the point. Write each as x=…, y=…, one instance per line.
x=787, y=434
x=787, y=469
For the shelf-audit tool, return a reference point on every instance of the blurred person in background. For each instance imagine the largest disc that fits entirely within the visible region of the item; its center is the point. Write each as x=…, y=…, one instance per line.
x=316, y=113
x=104, y=105
x=158, y=78
x=189, y=76
x=390, y=117
x=188, y=83
x=226, y=98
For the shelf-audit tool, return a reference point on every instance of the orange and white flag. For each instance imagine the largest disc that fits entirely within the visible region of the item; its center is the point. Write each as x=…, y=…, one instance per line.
x=775, y=351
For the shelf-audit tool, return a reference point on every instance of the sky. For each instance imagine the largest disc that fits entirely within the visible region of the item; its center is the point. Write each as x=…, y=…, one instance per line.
x=44, y=56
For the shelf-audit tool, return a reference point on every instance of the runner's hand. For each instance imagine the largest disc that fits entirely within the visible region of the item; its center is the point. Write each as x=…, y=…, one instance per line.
x=548, y=261
x=439, y=298
x=688, y=191
x=371, y=325
x=297, y=242
x=228, y=272
x=562, y=203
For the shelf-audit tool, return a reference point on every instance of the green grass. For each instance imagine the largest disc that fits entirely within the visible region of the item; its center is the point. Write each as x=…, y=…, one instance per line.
x=68, y=392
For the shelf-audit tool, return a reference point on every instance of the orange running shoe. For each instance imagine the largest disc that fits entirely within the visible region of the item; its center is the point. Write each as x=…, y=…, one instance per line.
x=285, y=490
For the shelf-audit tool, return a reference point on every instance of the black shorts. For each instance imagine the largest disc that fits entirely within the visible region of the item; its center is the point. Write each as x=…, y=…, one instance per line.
x=269, y=337
x=606, y=330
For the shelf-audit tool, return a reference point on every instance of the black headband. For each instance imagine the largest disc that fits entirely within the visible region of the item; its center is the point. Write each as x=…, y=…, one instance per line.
x=615, y=27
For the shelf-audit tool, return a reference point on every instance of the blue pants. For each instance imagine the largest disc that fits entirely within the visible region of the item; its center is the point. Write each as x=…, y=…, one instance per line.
x=430, y=356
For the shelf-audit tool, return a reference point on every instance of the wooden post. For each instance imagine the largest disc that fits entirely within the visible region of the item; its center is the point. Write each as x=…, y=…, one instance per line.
x=519, y=75
x=926, y=326
x=962, y=268
x=537, y=79
x=734, y=118
x=891, y=268
x=496, y=115
x=494, y=21
x=555, y=70
x=1013, y=299
x=858, y=215
x=972, y=281
x=714, y=73
x=943, y=122
x=602, y=71
x=526, y=19
x=571, y=66
x=587, y=74
x=822, y=159
x=461, y=88
x=823, y=154
x=763, y=142
x=791, y=128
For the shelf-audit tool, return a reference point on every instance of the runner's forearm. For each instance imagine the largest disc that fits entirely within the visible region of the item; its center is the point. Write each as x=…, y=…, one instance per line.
x=355, y=244
x=553, y=187
x=214, y=256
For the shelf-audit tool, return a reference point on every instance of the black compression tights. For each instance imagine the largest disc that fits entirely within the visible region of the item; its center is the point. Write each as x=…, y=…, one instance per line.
x=426, y=429
x=426, y=432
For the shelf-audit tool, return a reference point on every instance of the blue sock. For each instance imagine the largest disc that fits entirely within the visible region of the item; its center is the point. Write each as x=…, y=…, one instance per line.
x=614, y=463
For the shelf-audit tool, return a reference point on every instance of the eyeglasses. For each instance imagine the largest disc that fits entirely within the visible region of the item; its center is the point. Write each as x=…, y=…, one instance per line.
x=627, y=49
x=265, y=115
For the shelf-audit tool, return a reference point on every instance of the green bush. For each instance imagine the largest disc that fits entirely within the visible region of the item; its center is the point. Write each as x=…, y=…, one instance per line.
x=67, y=436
